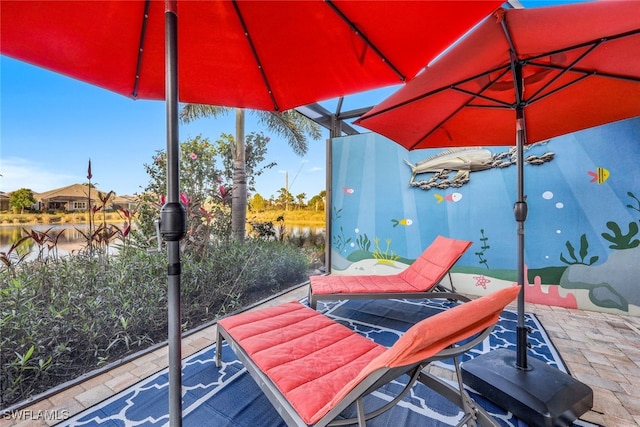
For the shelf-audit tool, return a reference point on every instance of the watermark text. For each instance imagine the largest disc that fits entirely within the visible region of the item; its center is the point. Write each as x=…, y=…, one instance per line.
x=36, y=415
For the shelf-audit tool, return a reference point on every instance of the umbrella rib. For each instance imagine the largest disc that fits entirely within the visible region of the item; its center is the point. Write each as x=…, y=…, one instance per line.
x=593, y=44
x=501, y=104
x=364, y=38
x=255, y=55
x=480, y=94
x=534, y=100
x=563, y=71
x=452, y=86
x=143, y=33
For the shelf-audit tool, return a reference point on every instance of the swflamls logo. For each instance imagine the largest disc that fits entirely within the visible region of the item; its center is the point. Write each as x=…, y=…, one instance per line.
x=32, y=415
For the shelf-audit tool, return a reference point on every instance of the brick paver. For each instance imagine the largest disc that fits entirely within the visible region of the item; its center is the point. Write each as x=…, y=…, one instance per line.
x=600, y=349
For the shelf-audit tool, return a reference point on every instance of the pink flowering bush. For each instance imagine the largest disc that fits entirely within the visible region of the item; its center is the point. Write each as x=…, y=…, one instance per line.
x=203, y=193
x=206, y=176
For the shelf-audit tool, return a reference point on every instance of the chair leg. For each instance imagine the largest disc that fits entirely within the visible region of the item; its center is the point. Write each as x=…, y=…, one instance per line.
x=453, y=288
x=313, y=302
x=468, y=408
x=218, y=350
x=471, y=409
x=474, y=414
x=362, y=422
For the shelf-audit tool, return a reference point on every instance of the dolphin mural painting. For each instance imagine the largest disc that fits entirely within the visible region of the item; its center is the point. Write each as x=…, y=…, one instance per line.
x=464, y=161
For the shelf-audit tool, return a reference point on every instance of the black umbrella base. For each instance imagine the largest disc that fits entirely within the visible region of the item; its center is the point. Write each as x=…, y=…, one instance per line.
x=540, y=396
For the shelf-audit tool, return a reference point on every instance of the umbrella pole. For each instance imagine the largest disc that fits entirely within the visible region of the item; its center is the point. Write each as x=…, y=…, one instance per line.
x=536, y=392
x=173, y=223
x=520, y=211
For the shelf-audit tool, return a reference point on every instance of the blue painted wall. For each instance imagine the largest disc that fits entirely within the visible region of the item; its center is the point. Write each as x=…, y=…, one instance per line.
x=582, y=240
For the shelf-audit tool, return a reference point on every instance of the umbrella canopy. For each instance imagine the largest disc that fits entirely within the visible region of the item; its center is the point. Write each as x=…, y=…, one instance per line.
x=266, y=55
x=580, y=67
x=505, y=84
x=522, y=76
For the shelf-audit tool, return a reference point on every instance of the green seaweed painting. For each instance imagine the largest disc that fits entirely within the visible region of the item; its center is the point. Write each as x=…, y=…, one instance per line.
x=363, y=242
x=584, y=250
x=485, y=246
x=620, y=240
x=633, y=196
x=340, y=242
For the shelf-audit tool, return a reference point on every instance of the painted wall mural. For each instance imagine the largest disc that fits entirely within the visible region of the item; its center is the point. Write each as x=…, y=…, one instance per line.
x=582, y=237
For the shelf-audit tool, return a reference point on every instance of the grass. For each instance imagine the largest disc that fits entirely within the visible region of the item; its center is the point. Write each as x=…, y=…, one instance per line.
x=292, y=217
x=7, y=218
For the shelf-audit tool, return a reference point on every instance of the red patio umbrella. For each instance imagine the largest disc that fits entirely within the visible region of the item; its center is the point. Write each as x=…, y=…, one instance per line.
x=266, y=55
x=522, y=76
x=269, y=55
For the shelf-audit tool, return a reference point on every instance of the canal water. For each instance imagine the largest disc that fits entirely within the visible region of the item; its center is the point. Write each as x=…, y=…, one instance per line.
x=72, y=239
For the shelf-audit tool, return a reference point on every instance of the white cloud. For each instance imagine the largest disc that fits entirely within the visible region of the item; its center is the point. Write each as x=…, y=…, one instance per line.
x=22, y=173
x=315, y=169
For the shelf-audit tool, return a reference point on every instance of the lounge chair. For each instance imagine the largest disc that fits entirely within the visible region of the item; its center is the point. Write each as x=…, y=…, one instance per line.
x=422, y=276
x=312, y=368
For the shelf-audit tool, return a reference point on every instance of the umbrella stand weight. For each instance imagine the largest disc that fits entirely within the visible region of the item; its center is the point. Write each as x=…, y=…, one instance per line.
x=540, y=395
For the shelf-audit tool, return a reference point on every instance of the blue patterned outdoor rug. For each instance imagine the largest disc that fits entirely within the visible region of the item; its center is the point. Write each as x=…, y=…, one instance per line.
x=228, y=396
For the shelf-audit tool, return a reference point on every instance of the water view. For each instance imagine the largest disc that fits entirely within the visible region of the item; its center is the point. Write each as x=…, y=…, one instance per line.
x=72, y=236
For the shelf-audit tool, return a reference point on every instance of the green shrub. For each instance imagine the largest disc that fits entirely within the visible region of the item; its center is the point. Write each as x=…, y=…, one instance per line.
x=64, y=317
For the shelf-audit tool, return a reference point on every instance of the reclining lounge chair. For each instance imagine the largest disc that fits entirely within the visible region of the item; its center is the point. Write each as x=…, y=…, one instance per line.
x=421, y=277
x=312, y=368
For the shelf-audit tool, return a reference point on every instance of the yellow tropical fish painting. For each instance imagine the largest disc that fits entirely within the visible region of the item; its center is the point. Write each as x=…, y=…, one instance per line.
x=406, y=222
x=600, y=175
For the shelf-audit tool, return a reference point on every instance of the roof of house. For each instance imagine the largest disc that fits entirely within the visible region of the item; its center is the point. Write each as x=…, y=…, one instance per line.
x=70, y=191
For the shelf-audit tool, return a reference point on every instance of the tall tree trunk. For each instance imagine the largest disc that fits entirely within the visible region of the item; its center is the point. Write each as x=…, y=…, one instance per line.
x=239, y=195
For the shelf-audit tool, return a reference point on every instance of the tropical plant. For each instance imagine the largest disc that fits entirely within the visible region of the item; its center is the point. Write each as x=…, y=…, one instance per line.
x=300, y=198
x=255, y=154
x=290, y=124
x=62, y=319
x=21, y=198
x=258, y=203
x=14, y=255
x=317, y=201
x=202, y=191
x=285, y=198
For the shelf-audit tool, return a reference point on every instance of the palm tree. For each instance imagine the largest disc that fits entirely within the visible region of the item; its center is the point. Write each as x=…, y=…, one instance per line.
x=289, y=124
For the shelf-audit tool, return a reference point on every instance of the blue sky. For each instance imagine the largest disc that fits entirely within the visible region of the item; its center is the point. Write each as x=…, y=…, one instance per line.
x=50, y=126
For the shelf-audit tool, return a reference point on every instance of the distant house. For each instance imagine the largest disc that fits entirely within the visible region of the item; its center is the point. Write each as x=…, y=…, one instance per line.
x=124, y=202
x=70, y=198
x=4, y=201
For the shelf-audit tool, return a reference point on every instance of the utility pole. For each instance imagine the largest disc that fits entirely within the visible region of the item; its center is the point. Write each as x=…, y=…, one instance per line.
x=286, y=189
